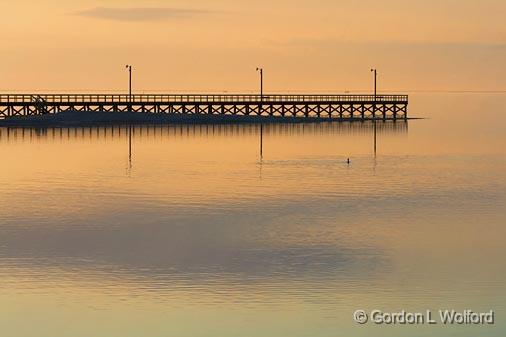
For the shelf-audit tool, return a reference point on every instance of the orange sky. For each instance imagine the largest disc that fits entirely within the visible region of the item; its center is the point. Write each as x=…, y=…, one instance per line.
x=197, y=45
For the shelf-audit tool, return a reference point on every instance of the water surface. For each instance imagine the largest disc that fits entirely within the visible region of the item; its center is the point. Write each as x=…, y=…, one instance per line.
x=195, y=234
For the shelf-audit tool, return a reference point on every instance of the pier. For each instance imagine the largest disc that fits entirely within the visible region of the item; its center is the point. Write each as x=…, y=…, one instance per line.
x=334, y=107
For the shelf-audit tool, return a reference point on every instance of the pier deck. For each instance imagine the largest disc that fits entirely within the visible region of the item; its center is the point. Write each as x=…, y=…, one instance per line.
x=342, y=107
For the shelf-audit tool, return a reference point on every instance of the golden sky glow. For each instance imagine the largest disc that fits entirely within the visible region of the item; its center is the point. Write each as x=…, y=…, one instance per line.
x=216, y=45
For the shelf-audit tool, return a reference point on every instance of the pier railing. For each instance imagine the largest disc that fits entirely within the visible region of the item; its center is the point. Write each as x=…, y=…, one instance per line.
x=199, y=98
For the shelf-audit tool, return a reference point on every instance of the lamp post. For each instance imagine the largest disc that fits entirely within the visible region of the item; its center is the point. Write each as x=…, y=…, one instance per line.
x=375, y=82
x=129, y=67
x=374, y=107
x=261, y=70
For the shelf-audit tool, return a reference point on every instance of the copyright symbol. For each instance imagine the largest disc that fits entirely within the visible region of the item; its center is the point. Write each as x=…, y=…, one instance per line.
x=360, y=316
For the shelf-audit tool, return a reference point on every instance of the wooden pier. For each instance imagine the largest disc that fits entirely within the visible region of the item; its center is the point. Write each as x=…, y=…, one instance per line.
x=338, y=107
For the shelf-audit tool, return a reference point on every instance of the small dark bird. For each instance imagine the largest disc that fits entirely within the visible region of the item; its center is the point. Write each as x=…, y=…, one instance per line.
x=348, y=161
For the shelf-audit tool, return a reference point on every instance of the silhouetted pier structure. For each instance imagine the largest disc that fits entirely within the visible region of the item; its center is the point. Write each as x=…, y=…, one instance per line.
x=338, y=107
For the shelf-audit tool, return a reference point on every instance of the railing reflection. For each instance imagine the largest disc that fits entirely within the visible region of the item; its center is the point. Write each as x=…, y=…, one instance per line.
x=13, y=134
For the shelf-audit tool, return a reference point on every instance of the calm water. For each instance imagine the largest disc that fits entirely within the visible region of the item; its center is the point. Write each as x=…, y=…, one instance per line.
x=197, y=235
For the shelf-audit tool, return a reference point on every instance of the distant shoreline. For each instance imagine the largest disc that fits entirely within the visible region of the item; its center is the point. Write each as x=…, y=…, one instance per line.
x=80, y=118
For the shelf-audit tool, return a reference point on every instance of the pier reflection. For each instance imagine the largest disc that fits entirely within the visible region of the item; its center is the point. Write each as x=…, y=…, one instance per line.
x=13, y=134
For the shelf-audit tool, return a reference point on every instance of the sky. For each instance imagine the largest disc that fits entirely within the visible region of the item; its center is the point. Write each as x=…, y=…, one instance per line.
x=215, y=46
